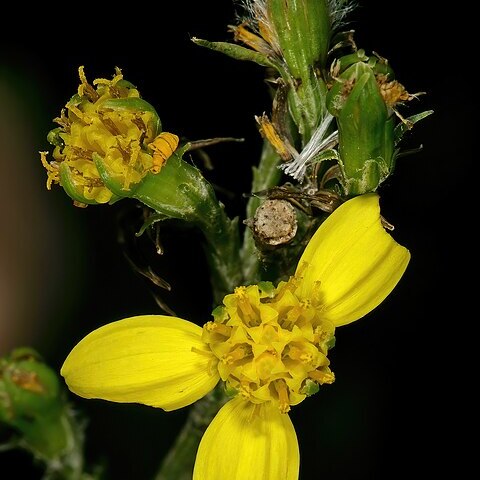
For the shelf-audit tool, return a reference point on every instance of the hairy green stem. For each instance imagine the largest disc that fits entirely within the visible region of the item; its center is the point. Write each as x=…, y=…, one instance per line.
x=68, y=462
x=265, y=176
x=227, y=273
x=179, y=462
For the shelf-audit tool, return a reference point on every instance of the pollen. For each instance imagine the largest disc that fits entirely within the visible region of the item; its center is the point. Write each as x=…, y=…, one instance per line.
x=271, y=346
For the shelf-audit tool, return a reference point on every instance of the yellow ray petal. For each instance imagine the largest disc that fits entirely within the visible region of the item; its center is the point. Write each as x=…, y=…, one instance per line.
x=353, y=263
x=248, y=442
x=146, y=359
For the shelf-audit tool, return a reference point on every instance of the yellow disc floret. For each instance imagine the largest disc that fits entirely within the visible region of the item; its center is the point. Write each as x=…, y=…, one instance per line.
x=270, y=344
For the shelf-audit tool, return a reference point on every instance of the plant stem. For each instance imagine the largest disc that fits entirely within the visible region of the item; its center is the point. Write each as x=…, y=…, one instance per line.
x=266, y=175
x=179, y=462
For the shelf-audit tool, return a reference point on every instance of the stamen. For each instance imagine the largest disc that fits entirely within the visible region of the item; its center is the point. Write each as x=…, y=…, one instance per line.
x=63, y=121
x=236, y=354
x=292, y=316
x=283, y=396
x=281, y=145
x=244, y=303
x=53, y=173
x=77, y=112
x=207, y=353
x=241, y=34
x=215, y=327
x=109, y=124
x=322, y=377
x=85, y=89
x=245, y=390
x=299, y=354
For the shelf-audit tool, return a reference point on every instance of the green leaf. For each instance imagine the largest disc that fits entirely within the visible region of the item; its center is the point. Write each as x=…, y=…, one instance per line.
x=329, y=154
x=236, y=51
x=151, y=220
x=408, y=124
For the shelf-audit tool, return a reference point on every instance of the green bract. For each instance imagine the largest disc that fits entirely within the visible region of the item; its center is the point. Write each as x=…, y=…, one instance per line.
x=365, y=129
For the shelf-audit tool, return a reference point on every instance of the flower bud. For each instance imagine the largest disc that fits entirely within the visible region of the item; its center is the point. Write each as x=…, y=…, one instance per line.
x=303, y=30
x=106, y=120
x=31, y=402
x=365, y=128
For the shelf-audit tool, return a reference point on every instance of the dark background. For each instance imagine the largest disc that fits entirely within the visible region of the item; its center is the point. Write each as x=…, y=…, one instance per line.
x=391, y=410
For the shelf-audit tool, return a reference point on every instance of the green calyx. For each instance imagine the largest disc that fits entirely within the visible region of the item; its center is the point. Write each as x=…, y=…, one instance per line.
x=303, y=29
x=31, y=403
x=365, y=129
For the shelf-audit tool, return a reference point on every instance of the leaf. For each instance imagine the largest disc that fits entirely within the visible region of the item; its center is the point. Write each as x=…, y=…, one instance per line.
x=236, y=51
x=408, y=124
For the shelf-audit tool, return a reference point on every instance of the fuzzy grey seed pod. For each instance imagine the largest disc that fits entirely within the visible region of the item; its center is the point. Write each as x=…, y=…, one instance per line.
x=274, y=224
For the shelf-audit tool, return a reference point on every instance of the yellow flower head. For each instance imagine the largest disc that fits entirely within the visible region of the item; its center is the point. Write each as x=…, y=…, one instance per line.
x=268, y=344
x=271, y=345
x=106, y=125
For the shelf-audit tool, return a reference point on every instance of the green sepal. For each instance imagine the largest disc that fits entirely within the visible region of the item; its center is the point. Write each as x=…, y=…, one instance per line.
x=342, y=63
x=365, y=129
x=126, y=84
x=309, y=388
x=381, y=66
x=32, y=388
x=110, y=180
x=151, y=220
x=54, y=138
x=331, y=343
x=76, y=100
x=303, y=30
x=31, y=402
x=219, y=313
x=134, y=104
x=229, y=390
x=407, y=125
x=329, y=154
x=236, y=51
x=25, y=353
x=68, y=184
x=267, y=288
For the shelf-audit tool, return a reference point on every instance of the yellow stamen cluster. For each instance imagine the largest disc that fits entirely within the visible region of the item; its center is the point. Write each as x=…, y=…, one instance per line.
x=271, y=345
x=101, y=121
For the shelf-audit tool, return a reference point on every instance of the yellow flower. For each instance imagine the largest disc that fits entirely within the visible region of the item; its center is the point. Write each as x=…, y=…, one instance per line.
x=106, y=122
x=268, y=344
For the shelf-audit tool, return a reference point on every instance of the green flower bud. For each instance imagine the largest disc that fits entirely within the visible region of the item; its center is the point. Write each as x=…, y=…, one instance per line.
x=303, y=29
x=31, y=403
x=365, y=128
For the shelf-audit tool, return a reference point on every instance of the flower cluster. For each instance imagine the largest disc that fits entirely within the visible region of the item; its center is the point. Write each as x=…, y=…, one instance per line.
x=269, y=345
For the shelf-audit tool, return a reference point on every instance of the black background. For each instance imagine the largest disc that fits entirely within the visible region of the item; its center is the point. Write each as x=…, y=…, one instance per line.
x=391, y=410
